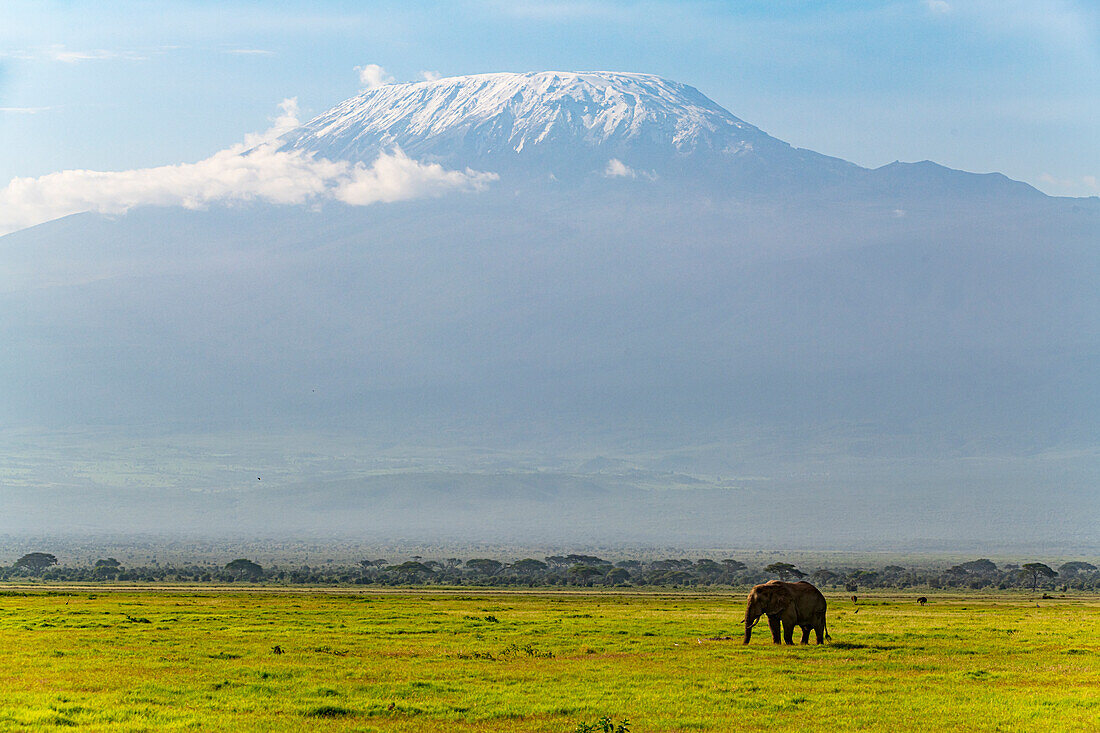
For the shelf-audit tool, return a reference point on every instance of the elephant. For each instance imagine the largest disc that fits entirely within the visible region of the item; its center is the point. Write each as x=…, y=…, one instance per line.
x=790, y=604
x=922, y=600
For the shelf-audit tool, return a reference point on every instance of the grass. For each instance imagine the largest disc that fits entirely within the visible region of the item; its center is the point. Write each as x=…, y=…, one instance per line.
x=434, y=661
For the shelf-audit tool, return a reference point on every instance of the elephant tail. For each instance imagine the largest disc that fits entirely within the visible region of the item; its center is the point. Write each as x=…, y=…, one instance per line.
x=825, y=628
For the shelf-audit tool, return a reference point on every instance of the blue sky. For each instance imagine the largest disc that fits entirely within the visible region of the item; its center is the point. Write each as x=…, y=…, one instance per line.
x=982, y=85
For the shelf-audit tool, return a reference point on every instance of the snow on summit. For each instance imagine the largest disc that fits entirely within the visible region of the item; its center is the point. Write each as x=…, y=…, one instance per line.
x=485, y=118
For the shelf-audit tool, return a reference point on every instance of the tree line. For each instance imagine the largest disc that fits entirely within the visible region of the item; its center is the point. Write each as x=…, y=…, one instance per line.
x=570, y=570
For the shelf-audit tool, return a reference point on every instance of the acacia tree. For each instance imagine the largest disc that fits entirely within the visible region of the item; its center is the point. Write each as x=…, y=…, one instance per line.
x=784, y=570
x=1034, y=570
x=863, y=577
x=485, y=565
x=618, y=575
x=107, y=567
x=245, y=569
x=981, y=566
x=529, y=566
x=36, y=562
x=708, y=567
x=585, y=572
x=411, y=568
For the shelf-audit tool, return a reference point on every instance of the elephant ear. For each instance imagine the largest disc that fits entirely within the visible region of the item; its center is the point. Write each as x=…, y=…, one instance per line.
x=777, y=600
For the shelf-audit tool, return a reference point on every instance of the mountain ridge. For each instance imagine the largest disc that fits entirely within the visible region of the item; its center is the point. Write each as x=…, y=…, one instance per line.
x=588, y=124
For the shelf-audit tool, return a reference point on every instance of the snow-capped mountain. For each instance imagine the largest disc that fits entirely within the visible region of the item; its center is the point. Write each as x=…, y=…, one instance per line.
x=557, y=121
x=894, y=354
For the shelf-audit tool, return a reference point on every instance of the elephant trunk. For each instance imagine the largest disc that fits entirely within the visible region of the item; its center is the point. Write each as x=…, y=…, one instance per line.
x=751, y=619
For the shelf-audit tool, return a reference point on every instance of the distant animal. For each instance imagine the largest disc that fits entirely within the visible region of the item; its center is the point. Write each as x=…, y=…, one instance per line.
x=787, y=605
x=1045, y=596
x=922, y=600
x=276, y=649
x=855, y=599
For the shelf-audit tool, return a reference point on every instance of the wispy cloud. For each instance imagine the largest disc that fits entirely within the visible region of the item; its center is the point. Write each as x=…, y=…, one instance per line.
x=1071, y=186
x=284, y=122
x=552, y=10
x=68, y=56
x=1064, y=25
x=249, y=51
x=430, y=75
x=618, y=169
x=939, y=7
x=65, y=55
x=24, y=110
x=373, y=76
x=254, y=170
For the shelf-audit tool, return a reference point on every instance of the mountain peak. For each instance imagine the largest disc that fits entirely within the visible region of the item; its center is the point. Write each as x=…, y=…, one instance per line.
x=493, y=119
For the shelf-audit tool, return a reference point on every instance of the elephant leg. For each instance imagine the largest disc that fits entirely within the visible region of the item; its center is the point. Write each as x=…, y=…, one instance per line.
x=773, y=624
x=819, y=628
x=788, y=632
x=805, y=634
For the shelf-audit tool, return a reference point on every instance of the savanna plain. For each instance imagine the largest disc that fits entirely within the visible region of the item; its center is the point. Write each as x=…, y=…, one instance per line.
x=133, y=658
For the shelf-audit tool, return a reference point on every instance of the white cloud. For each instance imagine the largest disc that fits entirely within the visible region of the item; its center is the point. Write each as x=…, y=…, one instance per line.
x=1063, y=26
x=58, y=52
x=281, y=125
x=373, y=76
x=396, y=177
x=18, y=54
x=62, y=54
x=253, y=170
x=939, y=7
x=250, y=51
x=1080, y=186
x=71, y=57
x=430, y=75
x=24, y=110
x=546, y=10
x=618, y=169
x=229, y=175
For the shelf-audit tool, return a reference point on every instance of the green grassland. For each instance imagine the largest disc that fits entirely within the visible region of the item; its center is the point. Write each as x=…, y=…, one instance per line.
x=204, y=659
